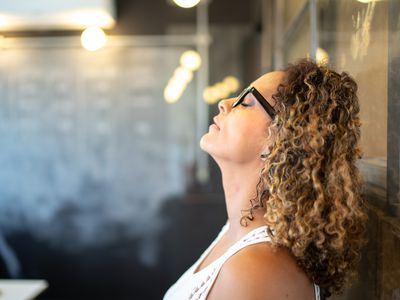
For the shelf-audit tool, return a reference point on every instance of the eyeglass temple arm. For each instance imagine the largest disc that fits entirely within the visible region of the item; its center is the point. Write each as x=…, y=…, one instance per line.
x=264, y=102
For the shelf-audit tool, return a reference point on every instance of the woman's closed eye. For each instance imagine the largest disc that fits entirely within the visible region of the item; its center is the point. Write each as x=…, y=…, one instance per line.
x=247, y=101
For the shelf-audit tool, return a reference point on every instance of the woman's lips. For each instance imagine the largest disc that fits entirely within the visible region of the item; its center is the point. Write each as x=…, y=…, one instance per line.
x=216, y=122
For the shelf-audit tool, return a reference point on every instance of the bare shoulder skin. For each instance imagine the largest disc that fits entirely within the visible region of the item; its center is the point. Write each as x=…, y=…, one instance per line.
x=259, y=272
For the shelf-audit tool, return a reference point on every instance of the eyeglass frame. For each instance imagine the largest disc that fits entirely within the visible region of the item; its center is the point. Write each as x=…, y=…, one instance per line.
x=260, y=98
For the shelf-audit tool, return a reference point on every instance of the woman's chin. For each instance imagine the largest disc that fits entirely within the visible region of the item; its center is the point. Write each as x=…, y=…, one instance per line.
x=210, y=145
x=204, y=144
x=207, y=144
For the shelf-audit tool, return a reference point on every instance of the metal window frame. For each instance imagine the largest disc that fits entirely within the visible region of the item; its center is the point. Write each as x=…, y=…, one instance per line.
x=393, y=129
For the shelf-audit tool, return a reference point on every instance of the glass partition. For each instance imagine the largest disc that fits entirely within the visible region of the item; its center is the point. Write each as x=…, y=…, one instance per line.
x=362, y=38
x=353, y=36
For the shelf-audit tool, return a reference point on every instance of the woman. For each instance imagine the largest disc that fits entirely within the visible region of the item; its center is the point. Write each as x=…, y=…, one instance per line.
x=289, y=143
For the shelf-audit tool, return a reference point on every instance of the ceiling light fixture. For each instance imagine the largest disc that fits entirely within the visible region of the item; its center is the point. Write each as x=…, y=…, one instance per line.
x=93, y=38
x=186, y=3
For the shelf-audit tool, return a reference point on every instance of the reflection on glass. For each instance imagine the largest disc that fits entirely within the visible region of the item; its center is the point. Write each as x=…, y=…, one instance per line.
x=355, y=36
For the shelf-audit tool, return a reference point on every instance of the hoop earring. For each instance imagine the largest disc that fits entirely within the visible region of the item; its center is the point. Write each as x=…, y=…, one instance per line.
x=255, y=203
x=264, y=156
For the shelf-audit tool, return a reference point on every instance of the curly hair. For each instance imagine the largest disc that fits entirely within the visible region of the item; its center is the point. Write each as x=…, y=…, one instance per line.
x=313, y=200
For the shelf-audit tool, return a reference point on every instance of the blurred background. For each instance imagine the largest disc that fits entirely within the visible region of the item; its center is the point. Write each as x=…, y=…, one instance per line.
x=104, y=191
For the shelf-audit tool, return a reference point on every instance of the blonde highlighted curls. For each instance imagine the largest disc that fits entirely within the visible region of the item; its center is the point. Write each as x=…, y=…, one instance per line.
x=313, y=204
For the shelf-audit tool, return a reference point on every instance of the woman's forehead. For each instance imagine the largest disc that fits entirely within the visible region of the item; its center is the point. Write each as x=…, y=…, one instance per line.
x=268, y=83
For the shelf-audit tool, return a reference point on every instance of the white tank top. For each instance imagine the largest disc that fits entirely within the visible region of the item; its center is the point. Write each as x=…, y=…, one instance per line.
x=196, y=286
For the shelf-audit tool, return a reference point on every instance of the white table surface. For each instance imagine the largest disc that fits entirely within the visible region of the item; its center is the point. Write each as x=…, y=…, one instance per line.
x=11, y=289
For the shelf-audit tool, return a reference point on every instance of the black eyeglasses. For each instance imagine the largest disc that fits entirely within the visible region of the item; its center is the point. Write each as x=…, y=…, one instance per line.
x=251, y=89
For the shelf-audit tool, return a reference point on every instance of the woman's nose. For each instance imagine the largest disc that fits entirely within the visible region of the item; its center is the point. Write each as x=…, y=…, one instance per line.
x=224, y=105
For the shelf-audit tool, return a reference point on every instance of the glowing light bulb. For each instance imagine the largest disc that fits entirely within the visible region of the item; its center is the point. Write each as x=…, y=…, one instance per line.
x=186, y=3
x=93, y=38
x=191, y=60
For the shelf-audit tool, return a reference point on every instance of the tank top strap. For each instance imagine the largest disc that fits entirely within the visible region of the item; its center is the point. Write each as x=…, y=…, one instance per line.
x=257, y=235
x=317, y=292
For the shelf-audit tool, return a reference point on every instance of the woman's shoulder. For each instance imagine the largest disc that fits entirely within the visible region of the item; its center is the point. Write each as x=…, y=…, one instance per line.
x=261, y=271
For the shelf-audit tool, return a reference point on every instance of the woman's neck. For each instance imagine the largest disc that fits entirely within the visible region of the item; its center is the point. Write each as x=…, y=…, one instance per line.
x=239, y=187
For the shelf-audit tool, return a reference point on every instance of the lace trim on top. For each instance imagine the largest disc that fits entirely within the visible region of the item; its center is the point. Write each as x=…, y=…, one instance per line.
x=257, y=235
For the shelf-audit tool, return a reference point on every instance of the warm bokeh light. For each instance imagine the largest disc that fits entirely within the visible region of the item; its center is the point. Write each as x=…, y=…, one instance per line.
x=221, y=90
x=322, y=57
x=191, y=60
x=209, y=95
x=232, y=83
x=93, y=38
x=173, y=91
x=183, y=75
x=3, y=21
x=186, y=3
